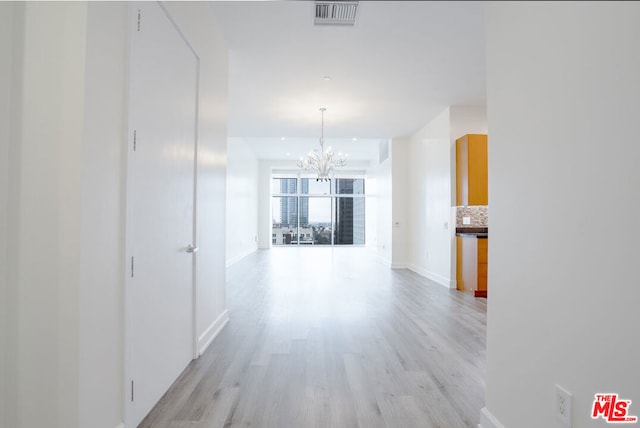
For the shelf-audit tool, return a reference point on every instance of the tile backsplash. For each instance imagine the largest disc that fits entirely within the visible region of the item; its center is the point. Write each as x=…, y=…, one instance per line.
x=479, y=216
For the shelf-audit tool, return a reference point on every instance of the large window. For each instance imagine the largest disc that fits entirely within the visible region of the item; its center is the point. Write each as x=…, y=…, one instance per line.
x=309, y=212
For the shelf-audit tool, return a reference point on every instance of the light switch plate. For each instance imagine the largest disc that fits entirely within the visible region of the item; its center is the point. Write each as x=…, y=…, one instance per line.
x=466, y=220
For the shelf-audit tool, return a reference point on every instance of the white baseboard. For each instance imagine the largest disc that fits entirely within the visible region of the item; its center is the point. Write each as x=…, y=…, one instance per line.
x=211, y=332
x=444, y=281
x=384, y=261
x=241, y=256
x=487, y=420
x=399, y=266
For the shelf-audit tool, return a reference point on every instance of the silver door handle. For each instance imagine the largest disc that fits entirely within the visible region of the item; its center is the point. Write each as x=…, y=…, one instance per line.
x=192, y=249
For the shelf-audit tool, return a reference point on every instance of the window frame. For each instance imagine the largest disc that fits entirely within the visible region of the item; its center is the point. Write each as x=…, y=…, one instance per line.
x=333, y=195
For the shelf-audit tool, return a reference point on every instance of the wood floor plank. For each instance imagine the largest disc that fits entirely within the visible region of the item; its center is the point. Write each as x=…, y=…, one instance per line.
x=322, y=337
x=402, y=411
x=249, y=405
x=367, y=410
x=219, y=408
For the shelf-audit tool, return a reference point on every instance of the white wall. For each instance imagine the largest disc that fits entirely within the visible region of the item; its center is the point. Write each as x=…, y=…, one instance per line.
x=242, y=200
x=431, y=191
x=384, y=240
x=264, y=204
x=467, y=120
x=44, y=212
x=101, y=294
x=430, y=200
x=400, y=229
x=6, y=55
x=563, y=115
x=371, y=212
x=200, y=26
x=65, y=205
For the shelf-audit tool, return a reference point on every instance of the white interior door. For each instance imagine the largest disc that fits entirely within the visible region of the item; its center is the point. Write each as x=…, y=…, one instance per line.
x=160, y=218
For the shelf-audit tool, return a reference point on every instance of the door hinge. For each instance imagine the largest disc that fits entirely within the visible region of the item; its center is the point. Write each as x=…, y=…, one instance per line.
x=135, y=139
x=131, y=391
x=131, y=267
x=139, y=18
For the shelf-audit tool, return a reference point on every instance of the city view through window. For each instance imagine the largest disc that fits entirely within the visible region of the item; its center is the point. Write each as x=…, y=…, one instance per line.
x=308, y=212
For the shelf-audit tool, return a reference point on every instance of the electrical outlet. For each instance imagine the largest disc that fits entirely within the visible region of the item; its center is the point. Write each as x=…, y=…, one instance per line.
x=466, y=220
x=562, y=405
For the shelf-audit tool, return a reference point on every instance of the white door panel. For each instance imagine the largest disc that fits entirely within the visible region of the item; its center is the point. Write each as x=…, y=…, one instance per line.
x=160, y=185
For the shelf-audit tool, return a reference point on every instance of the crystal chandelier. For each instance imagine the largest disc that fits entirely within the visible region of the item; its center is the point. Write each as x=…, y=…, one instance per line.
x=322, y=162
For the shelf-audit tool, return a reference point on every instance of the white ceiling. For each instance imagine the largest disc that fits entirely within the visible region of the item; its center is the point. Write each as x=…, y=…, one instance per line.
x=397, y=68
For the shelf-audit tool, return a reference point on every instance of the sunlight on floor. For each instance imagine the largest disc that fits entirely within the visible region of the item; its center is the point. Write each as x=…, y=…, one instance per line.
x=317, y=283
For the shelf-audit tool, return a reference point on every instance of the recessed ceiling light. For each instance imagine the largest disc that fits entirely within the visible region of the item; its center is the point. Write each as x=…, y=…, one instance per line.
x=327, y=77
x=288, y=154
x=354, y=139
x=283, y=138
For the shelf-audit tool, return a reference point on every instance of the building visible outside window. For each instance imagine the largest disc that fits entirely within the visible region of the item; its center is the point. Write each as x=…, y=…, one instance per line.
x=308, y=212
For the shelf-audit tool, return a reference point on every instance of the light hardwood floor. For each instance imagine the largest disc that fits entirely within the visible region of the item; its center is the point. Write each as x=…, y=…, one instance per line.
x=322, y=337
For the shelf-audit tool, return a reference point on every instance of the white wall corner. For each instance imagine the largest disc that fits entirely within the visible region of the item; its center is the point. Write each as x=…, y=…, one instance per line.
x=399, y=266
x=444, y=281
x=384, y=261
x=487, y=420
x=419, y=270
x=212, y=332
x=241, y=256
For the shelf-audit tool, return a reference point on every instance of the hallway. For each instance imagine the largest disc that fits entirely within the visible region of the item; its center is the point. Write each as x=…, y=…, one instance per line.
x=329, y=337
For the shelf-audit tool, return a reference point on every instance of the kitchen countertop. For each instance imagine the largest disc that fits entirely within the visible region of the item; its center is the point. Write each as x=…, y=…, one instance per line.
x=472, y=232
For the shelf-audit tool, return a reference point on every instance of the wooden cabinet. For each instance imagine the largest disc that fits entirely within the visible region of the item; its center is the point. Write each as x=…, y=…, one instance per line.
x=471, y=269
x=472, y=177
x=481, y=289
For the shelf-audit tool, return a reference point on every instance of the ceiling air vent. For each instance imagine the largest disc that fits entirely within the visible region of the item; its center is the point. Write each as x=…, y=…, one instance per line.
x=335, y=12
